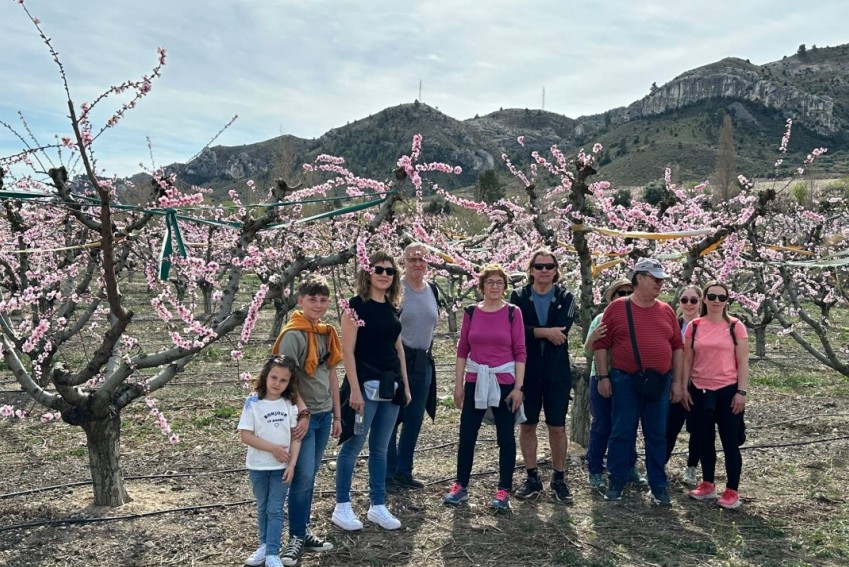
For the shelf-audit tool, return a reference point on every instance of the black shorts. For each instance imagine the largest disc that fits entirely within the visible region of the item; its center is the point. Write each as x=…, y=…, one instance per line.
x=549, y=395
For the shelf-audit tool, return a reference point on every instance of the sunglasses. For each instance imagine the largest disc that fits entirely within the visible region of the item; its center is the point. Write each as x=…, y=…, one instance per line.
x=690, y=300
x=715, y=297
x=390, y=271
x=545, y=266
x=624, y=293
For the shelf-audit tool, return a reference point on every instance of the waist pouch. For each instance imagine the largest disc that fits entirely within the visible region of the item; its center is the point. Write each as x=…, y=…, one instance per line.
x=388, y=379
x=649, y=384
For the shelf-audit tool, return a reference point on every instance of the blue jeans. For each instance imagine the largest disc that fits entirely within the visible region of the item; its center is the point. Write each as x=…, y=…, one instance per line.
x=628, y=410
x=600, y=408
x=378, y=422
x=309, y=462
x=270, y=494
x=400, y=460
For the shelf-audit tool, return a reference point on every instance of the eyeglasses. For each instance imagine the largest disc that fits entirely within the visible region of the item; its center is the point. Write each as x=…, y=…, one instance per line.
x=656, y=280
x=494, y=283
x=545, y=266
x=415, y=260
x=390, y=271
x=690, y=300
x=716, y=297
x=624, y=292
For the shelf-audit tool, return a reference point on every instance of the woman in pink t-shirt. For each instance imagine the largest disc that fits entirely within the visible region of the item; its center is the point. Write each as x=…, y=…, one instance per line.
x=489, y=373
x=716, y=358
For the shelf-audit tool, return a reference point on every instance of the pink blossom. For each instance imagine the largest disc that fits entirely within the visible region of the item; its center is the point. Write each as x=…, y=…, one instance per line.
x=174, y=439
x=521, y=140
x=7, y=411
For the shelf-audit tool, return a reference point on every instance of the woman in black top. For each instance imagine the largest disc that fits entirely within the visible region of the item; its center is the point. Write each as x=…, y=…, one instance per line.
x=375, y=386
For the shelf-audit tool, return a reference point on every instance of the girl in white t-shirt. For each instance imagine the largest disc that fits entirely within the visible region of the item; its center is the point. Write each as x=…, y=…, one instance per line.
x=265, y=427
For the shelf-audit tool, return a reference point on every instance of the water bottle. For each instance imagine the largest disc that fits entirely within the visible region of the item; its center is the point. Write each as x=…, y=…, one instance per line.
x=359, y=426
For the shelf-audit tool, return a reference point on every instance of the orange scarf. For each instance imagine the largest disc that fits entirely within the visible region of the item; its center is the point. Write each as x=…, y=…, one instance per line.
x=300, y=323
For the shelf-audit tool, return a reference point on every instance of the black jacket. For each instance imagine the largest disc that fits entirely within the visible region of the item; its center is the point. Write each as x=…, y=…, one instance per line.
x=544, y=358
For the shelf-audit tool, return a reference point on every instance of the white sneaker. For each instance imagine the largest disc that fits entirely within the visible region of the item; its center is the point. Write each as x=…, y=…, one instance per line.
x=381, y=516
x=257, y=558
x=690, y=476
x=344, y=517
x=273, y=561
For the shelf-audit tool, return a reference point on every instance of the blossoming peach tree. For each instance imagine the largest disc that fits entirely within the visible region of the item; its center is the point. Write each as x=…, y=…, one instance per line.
x=69, y=246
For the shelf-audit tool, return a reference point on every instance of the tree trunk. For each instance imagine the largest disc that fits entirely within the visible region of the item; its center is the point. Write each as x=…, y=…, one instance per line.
x=452, y=315
x=760, y=341
x=579, y=431
x=104, y=456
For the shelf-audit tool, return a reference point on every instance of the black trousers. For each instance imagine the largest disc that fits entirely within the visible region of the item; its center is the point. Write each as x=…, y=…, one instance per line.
x=674, y=423
x=707, y=421
x=470, y=424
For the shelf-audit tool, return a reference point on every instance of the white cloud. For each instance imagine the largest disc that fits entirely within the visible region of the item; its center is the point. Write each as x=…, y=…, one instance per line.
x=303, y=67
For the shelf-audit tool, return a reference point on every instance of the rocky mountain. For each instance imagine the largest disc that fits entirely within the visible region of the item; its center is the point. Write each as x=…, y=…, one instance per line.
x=675, y=124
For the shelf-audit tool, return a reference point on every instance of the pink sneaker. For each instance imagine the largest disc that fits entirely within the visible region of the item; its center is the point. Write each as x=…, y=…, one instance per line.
x=704, y=491
x=730, y=499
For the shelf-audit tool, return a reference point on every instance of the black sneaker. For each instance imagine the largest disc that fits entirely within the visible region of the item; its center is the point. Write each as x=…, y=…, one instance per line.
x=530, y=488
x=293, y=552
x=407, y=481
x=614, y=492
x=660, y=497
x=315, y=543
x=561, y=491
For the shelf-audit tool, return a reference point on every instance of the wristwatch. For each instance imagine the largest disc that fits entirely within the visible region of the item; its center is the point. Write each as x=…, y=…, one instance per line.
x=742, y=392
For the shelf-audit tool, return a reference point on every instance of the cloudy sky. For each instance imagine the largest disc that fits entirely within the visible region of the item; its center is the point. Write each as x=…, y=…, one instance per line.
x=304, y=67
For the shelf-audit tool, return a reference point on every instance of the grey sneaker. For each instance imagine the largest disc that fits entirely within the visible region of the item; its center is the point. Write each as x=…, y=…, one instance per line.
x=635, y=478
x=596, y=481
x=660, y=497
x=456, y=496
x=293, y=552
x=501, y=502
x=690, y=476
x=530, y=488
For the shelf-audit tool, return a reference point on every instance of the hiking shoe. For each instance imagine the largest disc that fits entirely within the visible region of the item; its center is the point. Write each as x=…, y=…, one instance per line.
x=635, y=478
x=660, y=497
x=501, y=502
x=344, y=517
x=456, y=496
x=407, y=481
x=703, y=491
x=614, y=492
x=293, y=551
x=561, y=491
x=530, y=488
x=730, y=499
x=257, y=557
x=381, y=516
x=315, y=543
x=689, y=477
x=596, y=481
x=273, y=561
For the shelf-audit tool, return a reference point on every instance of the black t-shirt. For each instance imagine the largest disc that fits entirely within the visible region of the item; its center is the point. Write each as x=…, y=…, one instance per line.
x=376, y=339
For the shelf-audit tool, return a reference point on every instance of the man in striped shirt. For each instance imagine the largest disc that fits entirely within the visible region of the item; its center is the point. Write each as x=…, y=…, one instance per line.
x=659, y=343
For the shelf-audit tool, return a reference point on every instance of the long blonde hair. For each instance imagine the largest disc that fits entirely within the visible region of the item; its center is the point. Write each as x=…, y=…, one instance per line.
x=395, y=291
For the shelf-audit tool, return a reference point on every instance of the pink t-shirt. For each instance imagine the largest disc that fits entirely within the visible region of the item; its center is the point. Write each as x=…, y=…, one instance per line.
x=490, y=339
x=714, y=358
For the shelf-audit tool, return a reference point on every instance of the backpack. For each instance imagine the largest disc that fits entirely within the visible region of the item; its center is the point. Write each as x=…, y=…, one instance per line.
x=730, y=330
x=470, y=310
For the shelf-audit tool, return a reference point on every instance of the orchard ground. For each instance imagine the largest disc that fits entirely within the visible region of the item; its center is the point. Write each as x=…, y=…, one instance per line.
x=194, y=506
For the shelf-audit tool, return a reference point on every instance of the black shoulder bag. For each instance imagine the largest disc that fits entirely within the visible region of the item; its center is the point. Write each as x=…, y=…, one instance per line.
x=649, y=384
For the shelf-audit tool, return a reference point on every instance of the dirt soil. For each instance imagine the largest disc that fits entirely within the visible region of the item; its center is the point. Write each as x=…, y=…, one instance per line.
x=196, y=509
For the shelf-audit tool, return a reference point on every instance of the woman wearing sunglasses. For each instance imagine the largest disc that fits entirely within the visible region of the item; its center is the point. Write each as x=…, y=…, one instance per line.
x=375, y=386
x=716, y=357
x=600, y=407
x=689, y=305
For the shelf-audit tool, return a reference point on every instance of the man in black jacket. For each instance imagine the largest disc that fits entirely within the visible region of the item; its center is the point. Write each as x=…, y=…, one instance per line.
x=548, y=311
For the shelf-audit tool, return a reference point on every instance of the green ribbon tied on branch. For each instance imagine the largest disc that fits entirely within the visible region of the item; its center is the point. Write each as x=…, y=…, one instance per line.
x=172, y=232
